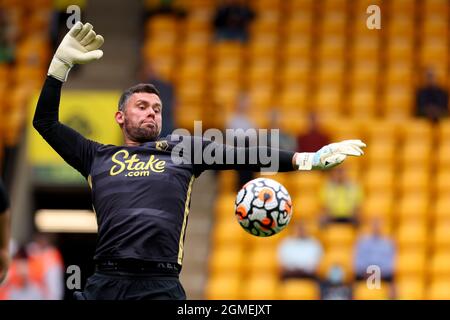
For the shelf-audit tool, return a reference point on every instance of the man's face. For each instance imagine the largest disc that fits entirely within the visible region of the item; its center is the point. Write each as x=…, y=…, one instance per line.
x=141, y=120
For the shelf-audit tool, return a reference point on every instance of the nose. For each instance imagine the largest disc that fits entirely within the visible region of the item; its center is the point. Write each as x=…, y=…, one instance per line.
x=151, y=113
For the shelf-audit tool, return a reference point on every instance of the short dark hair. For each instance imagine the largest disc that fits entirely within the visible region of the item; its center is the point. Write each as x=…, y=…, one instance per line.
x=141, y=87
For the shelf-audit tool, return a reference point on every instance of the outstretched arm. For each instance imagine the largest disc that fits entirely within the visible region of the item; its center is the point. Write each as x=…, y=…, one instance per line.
x=223, y=157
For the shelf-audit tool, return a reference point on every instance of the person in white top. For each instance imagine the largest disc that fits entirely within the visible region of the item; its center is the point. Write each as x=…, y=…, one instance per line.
x=299, y=255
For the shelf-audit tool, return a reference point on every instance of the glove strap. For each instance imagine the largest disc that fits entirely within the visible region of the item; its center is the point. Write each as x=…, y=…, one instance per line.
x=59, y=69
x=304, y=160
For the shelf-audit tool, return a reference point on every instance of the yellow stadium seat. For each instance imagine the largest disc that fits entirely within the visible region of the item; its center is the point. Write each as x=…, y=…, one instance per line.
x=413, y=207
x=381, y=132
x=443, y=155
x=436, y=7
x=401, y=24
x=439, y=289
x=263, y=260
x=435, y=26
x=364, y=74
x=227, y=259
x=299, y=22
x=441, y=235
x=227, y=72
x=261, y=69
x=440, y=263
x=377, y=205
x=411, y=262
x=379, y=180
x=297, y=46
x=328, y=100
x=227, y=231
x=260, y=96
x=224, y=287
x=400, y=49
x=330, y=71
x=332, y=47
x=444, y=130
x=337, y=255
x=441, y=211
x=416, y=152
x=162, y=25
x=443, y=182
x=397, y=102
x=293, y=98
x=293, y=289
x=363, y=102
x=365, y=49
x=338, y=235
x=227, y=49
x=306, y=206
x=292, y=121
x=295, y=70
x=261, y=287
x=362, y=292
x=414, y=180
x=381, y=151
x=186, y=114
x=263, y=46
x=404, y=6
x=412, y=235
x=410, y=289
x=433, y=53
x=264, y=25
x=417, y=131
x=224, y=206
x=398, y=72
x=333, y=22
x=300, y=6
x=304, y=183
x=193, y=47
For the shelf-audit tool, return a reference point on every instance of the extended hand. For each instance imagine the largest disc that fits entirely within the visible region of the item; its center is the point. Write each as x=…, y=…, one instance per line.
x=80, y=45
x=330, y=155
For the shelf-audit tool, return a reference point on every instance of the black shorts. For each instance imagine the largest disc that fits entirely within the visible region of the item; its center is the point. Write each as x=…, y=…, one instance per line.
x=123, y=286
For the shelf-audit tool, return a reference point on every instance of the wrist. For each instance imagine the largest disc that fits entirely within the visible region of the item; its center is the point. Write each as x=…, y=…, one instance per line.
x=303, y=160
x=59, y=69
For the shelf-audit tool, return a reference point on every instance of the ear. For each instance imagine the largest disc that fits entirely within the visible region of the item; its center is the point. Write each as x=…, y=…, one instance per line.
x=120, y=117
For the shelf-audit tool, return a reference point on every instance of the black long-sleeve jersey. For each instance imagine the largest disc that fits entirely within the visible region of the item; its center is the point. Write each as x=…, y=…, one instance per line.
x=141, y=194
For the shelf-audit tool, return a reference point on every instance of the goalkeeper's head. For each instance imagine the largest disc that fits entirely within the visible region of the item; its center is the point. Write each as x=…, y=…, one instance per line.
x=139, y=114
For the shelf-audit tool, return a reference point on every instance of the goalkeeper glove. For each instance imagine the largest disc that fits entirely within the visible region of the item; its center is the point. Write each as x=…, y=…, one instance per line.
x=79, y=46
x=329, y=156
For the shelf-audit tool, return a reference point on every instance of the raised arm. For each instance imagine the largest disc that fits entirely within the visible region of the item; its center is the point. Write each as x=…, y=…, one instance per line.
x=80, y=45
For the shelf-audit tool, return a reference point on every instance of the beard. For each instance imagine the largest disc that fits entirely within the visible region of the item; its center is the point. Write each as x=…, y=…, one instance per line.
x=141, y=133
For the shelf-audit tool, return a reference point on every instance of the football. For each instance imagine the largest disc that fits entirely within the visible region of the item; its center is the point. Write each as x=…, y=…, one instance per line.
x=263, y=207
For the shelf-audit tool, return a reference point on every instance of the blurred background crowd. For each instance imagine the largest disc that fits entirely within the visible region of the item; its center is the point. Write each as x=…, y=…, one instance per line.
x=312, y=69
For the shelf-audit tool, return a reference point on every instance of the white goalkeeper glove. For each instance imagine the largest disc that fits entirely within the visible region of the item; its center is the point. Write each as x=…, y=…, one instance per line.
x=329, y=156
x=79, y=46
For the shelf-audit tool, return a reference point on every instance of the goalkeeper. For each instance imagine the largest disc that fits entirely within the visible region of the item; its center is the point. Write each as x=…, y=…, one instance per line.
x=140, y=195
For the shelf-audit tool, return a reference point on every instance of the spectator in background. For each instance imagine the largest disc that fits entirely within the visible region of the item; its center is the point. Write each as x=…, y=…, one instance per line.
x=46, y=258
x=7, y=38
x=314, y=139
x=431, y=99
x=334, y=286
x=21, y=283
x=167, y=94
x=232, y=19
x=286, y=141
x=375, y=249
x=163, y=7
x=300, y=254
x=341, y=199
x=242, y=122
